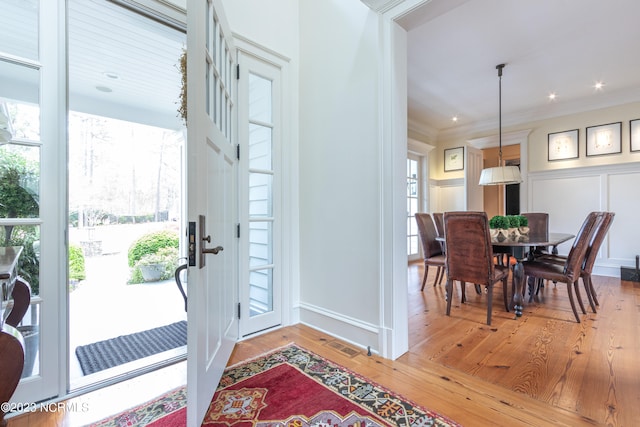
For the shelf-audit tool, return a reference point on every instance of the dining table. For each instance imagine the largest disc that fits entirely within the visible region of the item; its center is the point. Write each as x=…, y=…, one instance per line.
x=523, y=246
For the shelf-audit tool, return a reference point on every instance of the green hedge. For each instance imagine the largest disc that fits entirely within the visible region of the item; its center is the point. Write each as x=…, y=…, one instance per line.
x=150, y=244
x=76, y=263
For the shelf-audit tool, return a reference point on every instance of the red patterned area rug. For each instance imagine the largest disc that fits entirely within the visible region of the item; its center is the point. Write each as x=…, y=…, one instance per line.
x=292, y=387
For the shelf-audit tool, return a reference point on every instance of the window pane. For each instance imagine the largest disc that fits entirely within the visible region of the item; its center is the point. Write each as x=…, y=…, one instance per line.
x=19, y=99
x=260, y=147
x=260, y=102
x=260, y=194
x=19, y=181
x=27, y=236
x=260, y=243
x=19, y=28
x=413, y=245
x=260, y=291
x=413, y=206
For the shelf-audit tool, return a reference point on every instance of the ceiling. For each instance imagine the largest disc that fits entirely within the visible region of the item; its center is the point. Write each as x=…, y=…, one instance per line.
x=560, y=46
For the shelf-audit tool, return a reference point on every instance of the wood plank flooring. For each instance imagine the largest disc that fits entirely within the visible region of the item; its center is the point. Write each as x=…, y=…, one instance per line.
x=542, y=369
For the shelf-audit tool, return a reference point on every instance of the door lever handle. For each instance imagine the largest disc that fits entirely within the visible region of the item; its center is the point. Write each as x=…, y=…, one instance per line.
x=212, y=250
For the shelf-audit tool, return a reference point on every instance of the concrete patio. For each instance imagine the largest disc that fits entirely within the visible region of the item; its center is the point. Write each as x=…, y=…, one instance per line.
x=104, y=306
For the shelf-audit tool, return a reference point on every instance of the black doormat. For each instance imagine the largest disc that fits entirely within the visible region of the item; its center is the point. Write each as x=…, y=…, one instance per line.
x=116, y=351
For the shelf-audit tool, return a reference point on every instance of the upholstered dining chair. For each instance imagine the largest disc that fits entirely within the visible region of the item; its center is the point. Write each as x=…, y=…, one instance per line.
x=470, y=256
x=438, y=220
x=569, y=271
x=602, y=228
x=431, y=248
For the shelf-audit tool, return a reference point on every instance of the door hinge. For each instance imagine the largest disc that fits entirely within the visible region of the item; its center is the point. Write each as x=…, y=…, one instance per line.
x=238, y=72
x=238, y=231
x=238, y=151
x=238, y=310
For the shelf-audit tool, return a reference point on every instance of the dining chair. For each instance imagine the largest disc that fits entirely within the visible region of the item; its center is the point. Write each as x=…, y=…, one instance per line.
x=569, y=271
x=432, y=251
x=438, y=220
x=590, y=257
x=470, y=256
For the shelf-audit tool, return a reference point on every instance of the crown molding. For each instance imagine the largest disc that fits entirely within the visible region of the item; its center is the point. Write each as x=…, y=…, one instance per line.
x=380, y=6
x=510, y=138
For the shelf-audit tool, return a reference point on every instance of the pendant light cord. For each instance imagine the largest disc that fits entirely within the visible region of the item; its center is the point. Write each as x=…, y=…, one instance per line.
x=499, y=68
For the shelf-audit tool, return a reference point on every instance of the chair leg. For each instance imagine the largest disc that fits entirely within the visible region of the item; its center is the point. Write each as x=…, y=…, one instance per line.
x=592, y=290
x=463, y=286
x=438, y=274
x=449, y=295
x=478, y=289
x=577, y=289
x=590, y=296
x=573, y=303
x=442, y=275
x=424, y=277
x=489, y=303
x=504, y=294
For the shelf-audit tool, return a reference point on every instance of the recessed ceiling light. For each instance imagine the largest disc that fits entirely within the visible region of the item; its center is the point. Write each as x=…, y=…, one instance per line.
x=598, y=85
x=104, y=89
x=552, y=96
x=111, y=75
x=454, y=118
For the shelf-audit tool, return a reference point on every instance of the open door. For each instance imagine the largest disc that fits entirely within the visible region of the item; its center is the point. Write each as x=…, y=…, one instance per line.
x=211, y=203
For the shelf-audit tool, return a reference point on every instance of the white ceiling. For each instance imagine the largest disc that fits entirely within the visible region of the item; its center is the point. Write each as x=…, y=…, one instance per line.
x=561, y=46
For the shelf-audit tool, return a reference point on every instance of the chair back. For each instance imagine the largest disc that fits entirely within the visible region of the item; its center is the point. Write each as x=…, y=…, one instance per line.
x=538, y=223
x=596, y=241
x=427, y=231
x=575, y=259
x=438, y=219
x=469, y=251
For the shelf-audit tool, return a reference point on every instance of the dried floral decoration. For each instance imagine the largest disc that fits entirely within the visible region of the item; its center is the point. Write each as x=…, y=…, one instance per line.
x=182, y=108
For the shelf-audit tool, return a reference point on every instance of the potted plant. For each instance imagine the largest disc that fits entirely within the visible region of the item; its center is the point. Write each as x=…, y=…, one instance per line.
x=152, y=267
x=499, y=224
x=523, y=224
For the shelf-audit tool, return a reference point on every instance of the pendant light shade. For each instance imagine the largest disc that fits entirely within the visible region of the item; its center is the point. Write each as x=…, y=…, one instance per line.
x=500, y=174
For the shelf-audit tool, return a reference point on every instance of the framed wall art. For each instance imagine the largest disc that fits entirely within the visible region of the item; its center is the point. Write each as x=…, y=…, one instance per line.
x=634, y=134
x=454, y=159
x=563, y=145
x=604, y=139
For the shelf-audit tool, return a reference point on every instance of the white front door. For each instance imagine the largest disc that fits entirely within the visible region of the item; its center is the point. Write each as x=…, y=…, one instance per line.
x=211, y=202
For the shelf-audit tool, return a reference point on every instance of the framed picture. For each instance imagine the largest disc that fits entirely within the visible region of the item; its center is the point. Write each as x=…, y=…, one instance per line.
x=604, y=139
x=634, y=134
x=563, y=145
x=454, y=159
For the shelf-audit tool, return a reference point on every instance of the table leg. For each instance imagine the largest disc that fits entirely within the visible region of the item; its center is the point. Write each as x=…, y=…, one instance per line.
x=518, y=284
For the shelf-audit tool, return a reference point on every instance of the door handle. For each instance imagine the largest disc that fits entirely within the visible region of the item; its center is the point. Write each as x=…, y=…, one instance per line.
x=205, y=238
x=212, y=250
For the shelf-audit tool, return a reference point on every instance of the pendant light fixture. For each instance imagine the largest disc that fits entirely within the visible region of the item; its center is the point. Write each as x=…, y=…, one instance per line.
x=500, y=174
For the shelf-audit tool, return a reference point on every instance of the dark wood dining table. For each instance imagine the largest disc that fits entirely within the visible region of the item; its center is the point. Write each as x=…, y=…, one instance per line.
x=526, y=244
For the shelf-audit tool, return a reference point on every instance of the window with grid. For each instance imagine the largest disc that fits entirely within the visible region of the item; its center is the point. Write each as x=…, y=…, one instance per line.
x=412, y=206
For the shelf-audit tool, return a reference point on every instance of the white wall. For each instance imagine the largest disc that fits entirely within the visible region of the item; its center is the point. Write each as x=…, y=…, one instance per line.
x=333, y=52
x=272, y=23
x=339, y=169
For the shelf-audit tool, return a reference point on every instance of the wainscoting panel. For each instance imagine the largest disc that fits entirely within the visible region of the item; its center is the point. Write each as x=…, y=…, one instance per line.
x=447, y=195
x=624, y=236
x=569, y=195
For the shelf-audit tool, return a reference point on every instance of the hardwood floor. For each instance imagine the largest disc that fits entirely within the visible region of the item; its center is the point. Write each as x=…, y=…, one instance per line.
x=539, y=370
